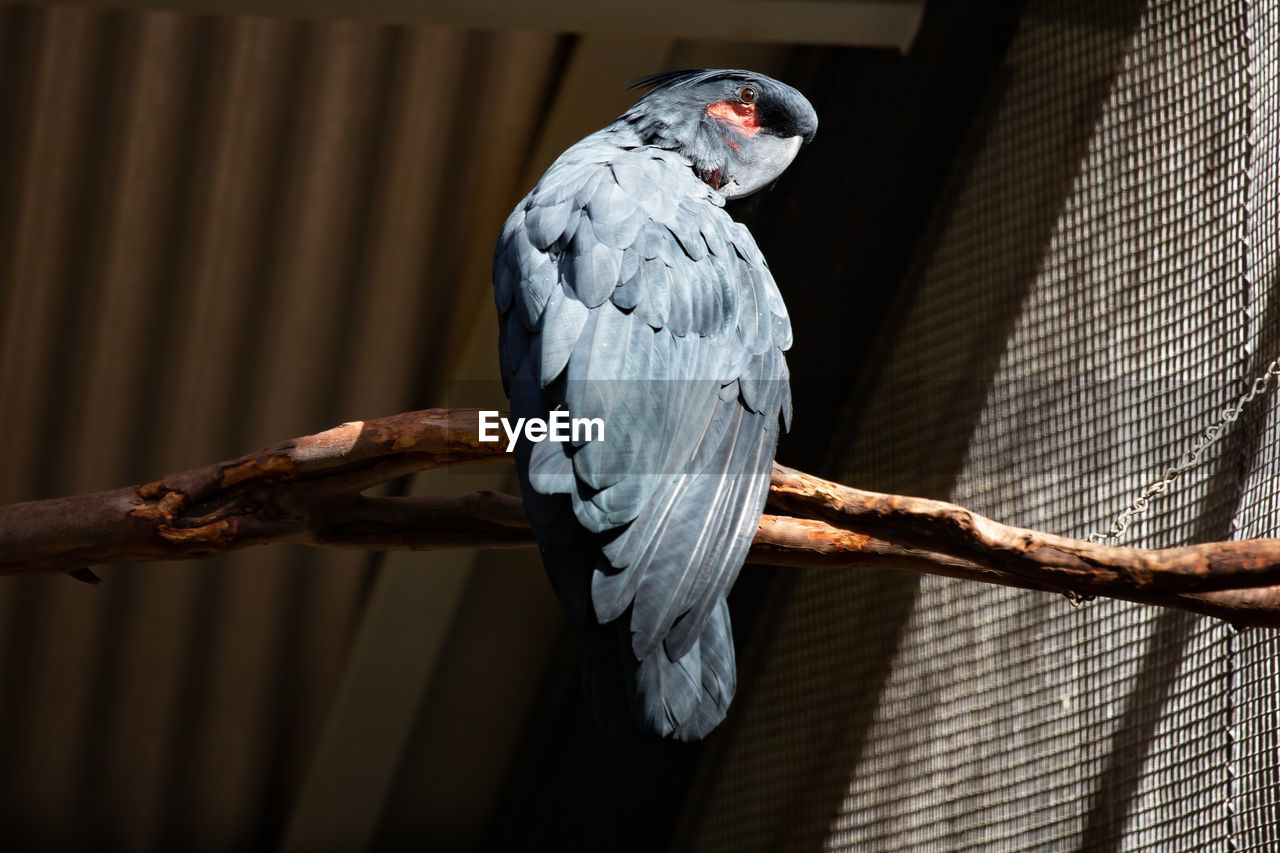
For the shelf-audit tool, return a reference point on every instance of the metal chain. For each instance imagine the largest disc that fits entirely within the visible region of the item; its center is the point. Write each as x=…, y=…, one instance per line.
x=1189, y=459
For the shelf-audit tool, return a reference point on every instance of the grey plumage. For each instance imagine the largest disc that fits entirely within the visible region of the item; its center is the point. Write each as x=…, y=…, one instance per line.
x=626, y=292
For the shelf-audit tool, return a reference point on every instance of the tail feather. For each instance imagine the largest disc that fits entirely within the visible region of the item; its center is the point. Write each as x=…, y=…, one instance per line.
x=632, y=699
x=683, y=699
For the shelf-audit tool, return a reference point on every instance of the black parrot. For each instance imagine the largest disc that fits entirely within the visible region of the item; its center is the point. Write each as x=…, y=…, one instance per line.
x=627, y=293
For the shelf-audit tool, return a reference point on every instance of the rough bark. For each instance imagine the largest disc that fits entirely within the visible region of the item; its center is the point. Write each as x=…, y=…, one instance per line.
x=309, y=491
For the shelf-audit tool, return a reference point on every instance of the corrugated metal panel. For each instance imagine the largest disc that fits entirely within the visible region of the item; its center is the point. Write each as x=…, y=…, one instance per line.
x=214, y=234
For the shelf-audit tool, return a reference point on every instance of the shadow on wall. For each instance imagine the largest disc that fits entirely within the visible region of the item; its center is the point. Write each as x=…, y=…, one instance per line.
x=914, y=357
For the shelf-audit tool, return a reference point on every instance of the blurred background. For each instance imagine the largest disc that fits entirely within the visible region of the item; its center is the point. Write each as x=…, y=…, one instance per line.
x=1030, y=255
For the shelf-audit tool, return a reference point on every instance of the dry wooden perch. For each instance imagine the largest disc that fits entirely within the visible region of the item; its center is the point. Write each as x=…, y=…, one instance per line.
x=309, y=491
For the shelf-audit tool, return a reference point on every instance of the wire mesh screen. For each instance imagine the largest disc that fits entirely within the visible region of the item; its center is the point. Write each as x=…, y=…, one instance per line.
x=1097, y=284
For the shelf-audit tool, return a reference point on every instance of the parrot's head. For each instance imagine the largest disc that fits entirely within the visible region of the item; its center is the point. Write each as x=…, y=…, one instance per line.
x=739, y=129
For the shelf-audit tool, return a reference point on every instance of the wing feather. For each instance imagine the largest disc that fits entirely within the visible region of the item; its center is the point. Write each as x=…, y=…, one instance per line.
x=593, y=265
x=545, y=223
x=655, y=283
x=627, y=293
x=558, y=333
x=679, y=317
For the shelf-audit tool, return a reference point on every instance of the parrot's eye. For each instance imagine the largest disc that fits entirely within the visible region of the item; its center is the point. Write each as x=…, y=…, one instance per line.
x=748, y=94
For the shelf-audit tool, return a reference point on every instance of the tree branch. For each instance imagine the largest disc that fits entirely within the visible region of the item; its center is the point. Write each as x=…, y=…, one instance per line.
x=308, y=491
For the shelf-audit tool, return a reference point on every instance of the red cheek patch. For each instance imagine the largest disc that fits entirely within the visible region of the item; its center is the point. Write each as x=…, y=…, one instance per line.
x=741, y=117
